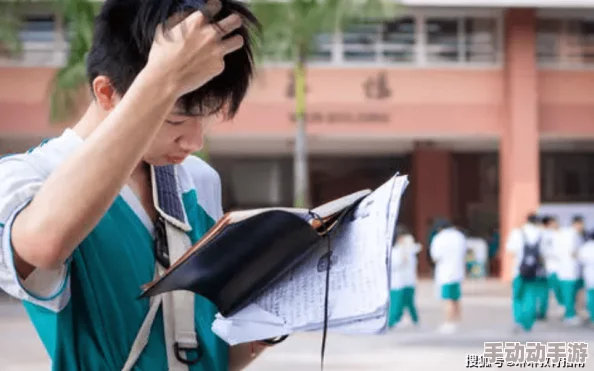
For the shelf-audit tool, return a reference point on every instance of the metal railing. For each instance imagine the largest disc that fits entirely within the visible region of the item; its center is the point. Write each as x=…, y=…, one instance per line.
x=36, y=54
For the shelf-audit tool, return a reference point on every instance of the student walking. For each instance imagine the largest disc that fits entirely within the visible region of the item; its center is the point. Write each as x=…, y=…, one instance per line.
x=550, y=230
x=567, y=244
x=530, y=278
x=586, y=258
x=448, y=250
x=404, y=279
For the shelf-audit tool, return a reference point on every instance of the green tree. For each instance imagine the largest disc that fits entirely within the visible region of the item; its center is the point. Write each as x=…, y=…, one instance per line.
x=291, y=27
x=10, y=23
x=71, y=78
x=78, y=16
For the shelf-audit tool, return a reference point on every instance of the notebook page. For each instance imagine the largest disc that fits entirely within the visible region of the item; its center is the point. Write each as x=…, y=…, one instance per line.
x=359, y=282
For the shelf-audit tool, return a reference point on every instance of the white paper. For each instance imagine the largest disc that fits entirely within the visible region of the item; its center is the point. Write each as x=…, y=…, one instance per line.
x=251, y=324
x=371, y=326
x=358, y=285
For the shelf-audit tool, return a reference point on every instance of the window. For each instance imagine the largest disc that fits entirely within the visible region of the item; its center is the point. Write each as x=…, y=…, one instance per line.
x=414, y=39
x=455, y=40
x=482, y=43
x=565, y=42
x=398, y=40
x=322, y=48
x=567, y=177
x=360, y=41
x=580, y=41
x=442, y=40
x=374, y=41
x=548, y=35
x=38, y=28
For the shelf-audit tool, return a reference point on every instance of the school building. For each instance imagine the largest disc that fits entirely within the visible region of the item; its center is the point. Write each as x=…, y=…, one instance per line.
x=489, y=109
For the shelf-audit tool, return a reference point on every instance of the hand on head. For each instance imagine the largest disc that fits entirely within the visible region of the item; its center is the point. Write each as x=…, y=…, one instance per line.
x=191, y=51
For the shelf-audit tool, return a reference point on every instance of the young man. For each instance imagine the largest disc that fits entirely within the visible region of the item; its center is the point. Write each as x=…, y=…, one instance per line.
x=550, y=229
x=403, y=278
x=527, y=289
x=448, y=250
x=567, y=244
x=586, y=258
x=78, y=214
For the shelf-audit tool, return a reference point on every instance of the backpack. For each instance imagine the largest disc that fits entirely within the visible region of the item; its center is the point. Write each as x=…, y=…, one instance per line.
x=532, y=265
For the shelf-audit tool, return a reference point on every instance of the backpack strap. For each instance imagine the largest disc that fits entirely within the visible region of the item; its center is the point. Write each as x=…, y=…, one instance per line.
x=144, y=332
x=525, y=237
x=183, y=349
x=171, y=242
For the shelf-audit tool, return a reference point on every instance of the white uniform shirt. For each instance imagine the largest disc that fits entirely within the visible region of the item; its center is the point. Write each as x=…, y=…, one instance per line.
x=404, y=263
x=586, y=258
x=548, y=250
x=567, y=244
x=529, y=233
x=448, y=250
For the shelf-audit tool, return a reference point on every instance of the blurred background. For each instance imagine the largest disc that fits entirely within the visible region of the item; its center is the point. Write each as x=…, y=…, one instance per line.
x=487, y=105
x=488, y=109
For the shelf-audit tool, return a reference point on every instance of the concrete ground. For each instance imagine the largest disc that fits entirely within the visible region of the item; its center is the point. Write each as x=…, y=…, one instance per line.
x=486, y=312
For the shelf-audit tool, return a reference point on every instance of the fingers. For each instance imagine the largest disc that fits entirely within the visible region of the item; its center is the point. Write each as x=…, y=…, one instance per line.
x=229, y=24
x=196, y=19
x=232, y=44
x=225, y=26
x=212, y=8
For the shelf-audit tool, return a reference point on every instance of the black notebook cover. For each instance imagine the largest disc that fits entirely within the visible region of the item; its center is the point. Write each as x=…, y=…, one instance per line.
x=244, y=258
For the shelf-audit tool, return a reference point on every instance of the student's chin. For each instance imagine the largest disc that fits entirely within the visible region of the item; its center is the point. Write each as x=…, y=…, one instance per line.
x=174, y=160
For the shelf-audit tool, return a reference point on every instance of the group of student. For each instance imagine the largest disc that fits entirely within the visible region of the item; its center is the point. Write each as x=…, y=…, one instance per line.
x=448, y=251
x=549, y=261
x=556, y=261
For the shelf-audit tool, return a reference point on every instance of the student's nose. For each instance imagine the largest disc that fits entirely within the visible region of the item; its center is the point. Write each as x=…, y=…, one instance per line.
x=192, y=139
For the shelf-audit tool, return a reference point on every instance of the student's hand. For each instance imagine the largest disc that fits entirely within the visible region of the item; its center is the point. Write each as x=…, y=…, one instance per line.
x=192, y=52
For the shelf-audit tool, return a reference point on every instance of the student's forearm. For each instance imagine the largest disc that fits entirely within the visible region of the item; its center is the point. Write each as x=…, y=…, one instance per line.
x=76, y=195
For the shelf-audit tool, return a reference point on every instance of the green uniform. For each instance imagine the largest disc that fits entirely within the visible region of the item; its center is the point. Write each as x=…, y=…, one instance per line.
x=87, y=313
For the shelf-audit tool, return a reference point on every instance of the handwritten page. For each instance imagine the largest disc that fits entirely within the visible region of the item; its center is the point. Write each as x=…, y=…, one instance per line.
x=358, y=296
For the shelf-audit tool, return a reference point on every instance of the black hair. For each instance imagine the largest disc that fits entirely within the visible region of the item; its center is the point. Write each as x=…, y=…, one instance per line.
x=548, y=219
x=123, y=35
x=533, y=219
x=578, y=219
x=443, y=223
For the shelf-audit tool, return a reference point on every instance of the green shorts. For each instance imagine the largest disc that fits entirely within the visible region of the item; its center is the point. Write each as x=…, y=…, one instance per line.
x=580, y=284
x=451, y=291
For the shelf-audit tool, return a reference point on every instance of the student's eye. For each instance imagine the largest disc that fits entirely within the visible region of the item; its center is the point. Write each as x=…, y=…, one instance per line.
x=175, y=122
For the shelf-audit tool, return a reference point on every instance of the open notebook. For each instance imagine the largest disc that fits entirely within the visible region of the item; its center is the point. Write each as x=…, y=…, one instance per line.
x=246, y=251
x=270, y=272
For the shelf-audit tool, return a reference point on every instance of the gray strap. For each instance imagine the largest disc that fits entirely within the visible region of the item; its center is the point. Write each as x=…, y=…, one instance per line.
x=145, y=330
x=178, y=307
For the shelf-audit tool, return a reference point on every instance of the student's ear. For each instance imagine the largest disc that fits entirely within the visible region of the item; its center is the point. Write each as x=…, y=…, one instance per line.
x=105, y=94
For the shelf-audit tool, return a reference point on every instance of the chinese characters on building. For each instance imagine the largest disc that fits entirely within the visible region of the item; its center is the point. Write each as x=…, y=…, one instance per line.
x=375, y=87
x=290, y=92
x=530, y=355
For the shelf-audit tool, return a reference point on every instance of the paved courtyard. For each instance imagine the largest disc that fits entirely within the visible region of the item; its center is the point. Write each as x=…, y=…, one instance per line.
x=486, y=311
